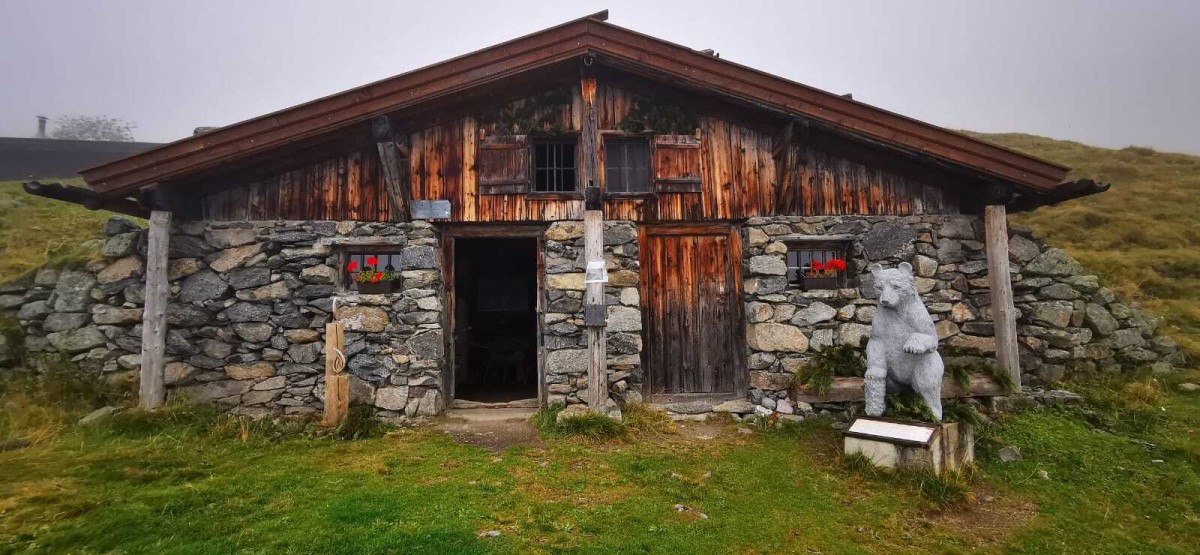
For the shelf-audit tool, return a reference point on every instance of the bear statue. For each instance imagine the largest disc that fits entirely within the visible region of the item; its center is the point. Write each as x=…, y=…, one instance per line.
x=902, y=349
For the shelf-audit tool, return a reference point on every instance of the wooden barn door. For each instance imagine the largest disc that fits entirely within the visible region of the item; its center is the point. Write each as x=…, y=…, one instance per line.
x=692, y=312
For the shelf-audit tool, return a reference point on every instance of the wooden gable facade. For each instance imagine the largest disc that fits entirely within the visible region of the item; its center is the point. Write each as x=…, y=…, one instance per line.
x=724, y=162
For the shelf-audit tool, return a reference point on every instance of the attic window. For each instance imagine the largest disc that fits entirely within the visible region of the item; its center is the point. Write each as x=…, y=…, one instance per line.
x=554, y=167
x=627, y=165
x=816, y=266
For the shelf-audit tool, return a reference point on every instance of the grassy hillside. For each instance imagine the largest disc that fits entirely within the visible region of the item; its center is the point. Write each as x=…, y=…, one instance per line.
x=35, y=231
x=1142, y=236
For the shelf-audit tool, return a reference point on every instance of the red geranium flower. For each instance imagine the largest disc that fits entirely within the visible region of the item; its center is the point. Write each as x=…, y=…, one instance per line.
x=817, y=265
x=372, y=261
x=352, y=266
x=837, y=264
x=378, y=276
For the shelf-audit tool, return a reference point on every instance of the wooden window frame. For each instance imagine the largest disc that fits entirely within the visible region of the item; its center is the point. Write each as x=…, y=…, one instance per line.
x=345, y=253
x=534, y=141
x=651, y=191
x=840, y=248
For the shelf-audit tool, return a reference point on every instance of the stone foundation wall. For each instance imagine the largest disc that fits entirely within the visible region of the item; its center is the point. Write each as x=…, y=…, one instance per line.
x=566, y=358
x=249, y=301
x=248, y=306
x=1066, y=320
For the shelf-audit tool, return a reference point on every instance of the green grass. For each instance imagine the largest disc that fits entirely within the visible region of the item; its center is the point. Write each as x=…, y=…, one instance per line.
x=1141, y=236
x=195, y=481
x=590, y=425
x=36, y=231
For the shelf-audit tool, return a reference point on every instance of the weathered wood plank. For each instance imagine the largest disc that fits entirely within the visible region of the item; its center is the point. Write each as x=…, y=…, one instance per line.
x=337, y=382
x=151, y=389
x=1003, y=313
x=593, y=249
x=845, y=390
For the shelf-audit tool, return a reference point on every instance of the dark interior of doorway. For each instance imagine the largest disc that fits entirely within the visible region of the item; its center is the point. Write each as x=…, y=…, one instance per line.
x=495, y=319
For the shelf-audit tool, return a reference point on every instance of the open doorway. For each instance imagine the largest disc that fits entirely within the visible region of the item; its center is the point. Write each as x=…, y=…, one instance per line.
x=495, y=305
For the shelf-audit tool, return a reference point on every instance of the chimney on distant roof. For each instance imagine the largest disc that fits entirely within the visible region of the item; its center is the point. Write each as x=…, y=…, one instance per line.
x=41, y=127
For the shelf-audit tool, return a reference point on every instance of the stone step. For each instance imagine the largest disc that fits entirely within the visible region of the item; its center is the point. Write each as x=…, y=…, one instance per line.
x=517, y=404
x=491, y=414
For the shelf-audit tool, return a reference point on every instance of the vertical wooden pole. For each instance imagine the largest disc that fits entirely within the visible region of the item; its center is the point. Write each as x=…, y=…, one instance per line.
x=151, y=389
x=1003, y=314
x=593, y=249
x=337, y=383
x=593, y=239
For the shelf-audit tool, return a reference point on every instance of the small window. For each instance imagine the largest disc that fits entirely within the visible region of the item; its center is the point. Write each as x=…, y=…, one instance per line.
x=814, y=266
x=554, y=166
x=627, y=165
x=356, y=262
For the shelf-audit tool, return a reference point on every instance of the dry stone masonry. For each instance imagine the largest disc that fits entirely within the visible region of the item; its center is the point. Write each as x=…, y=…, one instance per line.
x=566, y=355
x=1066, y=320
x=249, y=303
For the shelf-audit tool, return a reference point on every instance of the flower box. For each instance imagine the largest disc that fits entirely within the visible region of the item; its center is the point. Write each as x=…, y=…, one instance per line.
x=821, y=283
x=376, y=288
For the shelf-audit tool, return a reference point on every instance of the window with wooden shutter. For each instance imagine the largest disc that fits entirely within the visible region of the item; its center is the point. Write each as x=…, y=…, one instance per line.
x=677, y=163
x=503, y=164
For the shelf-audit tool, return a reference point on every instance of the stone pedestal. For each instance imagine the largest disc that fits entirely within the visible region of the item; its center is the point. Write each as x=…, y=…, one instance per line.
x=909, y=444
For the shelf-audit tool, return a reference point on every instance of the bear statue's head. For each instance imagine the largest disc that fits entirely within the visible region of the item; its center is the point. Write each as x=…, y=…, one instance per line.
x=894, y=286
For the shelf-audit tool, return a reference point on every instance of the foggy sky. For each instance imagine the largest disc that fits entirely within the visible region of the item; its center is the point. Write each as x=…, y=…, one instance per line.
x=1102, y=72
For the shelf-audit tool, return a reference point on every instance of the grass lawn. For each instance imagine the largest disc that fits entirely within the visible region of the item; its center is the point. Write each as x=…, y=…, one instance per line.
x=1141, y=236
x=36, y=231
x=189, y=481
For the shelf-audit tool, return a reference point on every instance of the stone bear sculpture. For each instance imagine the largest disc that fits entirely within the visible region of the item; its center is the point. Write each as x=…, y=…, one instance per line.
x=902, y=350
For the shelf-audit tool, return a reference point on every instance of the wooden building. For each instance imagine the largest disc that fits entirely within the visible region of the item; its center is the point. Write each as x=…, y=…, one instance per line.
x=714, y=195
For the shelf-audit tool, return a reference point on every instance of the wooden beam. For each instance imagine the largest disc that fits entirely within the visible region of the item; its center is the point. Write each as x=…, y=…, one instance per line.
x=151, y=390
x=593, y=249
x=848, y=390
x=337, y=383
x=589, y=134
x=394, y=171
x=85, y=197
x=1003, y=313
x=593, y=239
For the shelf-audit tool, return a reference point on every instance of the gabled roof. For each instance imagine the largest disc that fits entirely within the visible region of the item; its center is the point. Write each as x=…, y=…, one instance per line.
x=587, y=35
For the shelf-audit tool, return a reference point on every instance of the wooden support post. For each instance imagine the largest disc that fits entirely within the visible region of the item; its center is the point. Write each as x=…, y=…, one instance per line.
x=593, y=241
x=337, y=383
x=394, y=167
x=1003, y=314
x=593, y=299
x=151, y=389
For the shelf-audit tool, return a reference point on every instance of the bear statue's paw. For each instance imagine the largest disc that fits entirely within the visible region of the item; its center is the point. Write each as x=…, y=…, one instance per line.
x=919, y=344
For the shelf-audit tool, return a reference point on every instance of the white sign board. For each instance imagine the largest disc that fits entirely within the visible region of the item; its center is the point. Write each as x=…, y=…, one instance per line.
x=597, y=272
x=894, y=431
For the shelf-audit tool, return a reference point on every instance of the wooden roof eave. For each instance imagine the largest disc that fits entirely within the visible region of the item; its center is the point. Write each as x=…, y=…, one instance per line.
x=1067, y=190
x=582, y=36
x=85, y=197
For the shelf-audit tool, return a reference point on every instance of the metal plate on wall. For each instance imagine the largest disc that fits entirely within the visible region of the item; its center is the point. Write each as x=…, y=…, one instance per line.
x=430, y=209
x=594, y=315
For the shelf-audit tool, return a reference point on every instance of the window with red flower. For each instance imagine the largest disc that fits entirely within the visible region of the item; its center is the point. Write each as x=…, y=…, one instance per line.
x=368, y=266
x=817, y=265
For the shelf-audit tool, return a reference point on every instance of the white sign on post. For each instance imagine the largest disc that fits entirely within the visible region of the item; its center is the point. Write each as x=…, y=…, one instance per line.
x=597, y=272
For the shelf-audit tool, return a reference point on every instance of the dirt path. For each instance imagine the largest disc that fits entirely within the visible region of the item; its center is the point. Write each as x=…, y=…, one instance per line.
x=494, y=429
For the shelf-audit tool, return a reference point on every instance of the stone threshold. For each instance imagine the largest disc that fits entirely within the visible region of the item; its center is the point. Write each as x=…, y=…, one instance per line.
x=516, y=404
